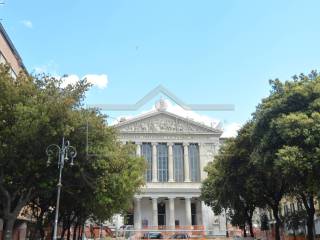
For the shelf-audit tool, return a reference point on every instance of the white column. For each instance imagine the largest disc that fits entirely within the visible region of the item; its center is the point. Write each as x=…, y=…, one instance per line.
x=186, y=162
x=170, y=162
x=154, y=163
x=138, y=149
x=199, y=212
x=154, y=212
x=171, y=212
x=137, y=213
x=188, y=211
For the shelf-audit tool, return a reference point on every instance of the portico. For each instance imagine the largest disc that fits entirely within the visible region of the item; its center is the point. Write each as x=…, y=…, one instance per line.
x=167, y=211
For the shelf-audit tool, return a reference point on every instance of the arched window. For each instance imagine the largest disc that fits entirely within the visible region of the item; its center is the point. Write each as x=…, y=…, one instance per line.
x=162, y=156
x=178, y=162
x=194, y=162
x=146, y=152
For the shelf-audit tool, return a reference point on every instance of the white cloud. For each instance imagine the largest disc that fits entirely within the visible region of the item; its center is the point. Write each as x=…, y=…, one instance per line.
x=69, y=79
x=204, y=119
x=100, y=81
x=50, y=68
x=27, y=23
x=231, y=130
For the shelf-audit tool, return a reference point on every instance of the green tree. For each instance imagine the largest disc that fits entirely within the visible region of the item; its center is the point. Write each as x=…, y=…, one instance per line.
x=232, y=182
x=288, y=132
x=29, y=120
x=36, y=112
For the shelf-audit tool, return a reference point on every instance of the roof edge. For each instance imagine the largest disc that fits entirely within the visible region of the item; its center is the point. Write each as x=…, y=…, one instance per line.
x=12, y=47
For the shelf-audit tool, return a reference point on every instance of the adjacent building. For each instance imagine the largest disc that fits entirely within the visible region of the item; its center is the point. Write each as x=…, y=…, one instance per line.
x=9, y=54
x=176, y=150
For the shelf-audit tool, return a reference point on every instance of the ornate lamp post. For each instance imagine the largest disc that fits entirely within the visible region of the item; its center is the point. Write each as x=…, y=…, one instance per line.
x=64, y=152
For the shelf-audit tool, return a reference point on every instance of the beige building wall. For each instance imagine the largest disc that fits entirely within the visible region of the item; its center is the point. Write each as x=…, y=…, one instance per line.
x=8, y=52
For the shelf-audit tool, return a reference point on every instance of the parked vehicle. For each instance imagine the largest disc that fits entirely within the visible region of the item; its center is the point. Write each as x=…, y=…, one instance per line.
x=180, y=236
x=152, y=235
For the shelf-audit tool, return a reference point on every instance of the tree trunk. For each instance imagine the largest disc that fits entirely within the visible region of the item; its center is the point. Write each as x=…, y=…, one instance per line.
x=74, y=236
x=267, y=234
x=251, y=229
x=310, y=225
x=310, y=219
x=68, y=233
x=39, y=226
x=80, y=231
x=8, y=228
x=244, y=231
x=249, y=216
x=11, y=208
x=308, y=203
x=275, y=210
x=42, y=232
x=63, y=232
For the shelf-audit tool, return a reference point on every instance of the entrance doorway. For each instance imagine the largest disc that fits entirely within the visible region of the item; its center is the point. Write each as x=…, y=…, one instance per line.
x=161, y=214
x=193, y=214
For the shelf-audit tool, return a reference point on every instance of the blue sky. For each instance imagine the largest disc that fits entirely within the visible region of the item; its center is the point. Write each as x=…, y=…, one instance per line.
x=203, y=51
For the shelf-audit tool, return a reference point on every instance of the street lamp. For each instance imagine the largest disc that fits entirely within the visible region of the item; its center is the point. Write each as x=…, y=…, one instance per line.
x=64, y=152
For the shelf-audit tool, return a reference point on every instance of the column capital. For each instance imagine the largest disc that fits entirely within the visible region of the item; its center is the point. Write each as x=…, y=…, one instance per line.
x=185, y=144
x=170, y=144
x=154, y=143
x=138, y=143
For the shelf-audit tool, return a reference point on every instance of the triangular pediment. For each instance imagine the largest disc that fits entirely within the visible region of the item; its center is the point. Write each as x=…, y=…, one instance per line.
x=164, y=122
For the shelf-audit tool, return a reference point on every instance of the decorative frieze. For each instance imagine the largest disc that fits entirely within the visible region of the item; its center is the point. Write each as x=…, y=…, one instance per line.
x=167, y=138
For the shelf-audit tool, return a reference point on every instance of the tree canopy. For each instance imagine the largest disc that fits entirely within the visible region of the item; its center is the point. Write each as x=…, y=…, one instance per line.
x=36, y=112
x=282, y=155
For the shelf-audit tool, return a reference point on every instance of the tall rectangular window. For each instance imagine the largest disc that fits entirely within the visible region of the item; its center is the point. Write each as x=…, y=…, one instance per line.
x=194, y=163
x=146, y=152
x=178, y=162
x=162, y=157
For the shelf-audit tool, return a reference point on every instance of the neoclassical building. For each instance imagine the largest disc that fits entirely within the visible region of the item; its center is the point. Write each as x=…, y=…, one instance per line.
x=176, y=150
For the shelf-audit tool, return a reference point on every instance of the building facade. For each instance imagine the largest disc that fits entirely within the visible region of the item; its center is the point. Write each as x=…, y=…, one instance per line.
x=176, y=150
